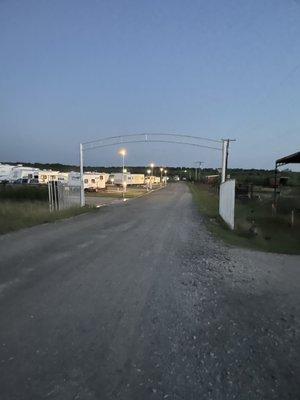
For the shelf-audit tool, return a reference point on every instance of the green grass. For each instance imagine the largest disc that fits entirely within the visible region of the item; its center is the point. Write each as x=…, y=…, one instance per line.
x=274, y=233
x=24, y=192
x=16, y=215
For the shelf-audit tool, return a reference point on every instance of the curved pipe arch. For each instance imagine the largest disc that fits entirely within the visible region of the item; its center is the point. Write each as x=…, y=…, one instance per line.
x=187, y=140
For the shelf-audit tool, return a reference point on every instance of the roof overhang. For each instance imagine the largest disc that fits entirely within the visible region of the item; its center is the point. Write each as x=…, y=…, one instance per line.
x=291, y=159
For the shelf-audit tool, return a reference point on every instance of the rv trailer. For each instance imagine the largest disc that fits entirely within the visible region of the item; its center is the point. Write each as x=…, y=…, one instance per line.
x=94, y=181
x=5, y=172
x=20, y=174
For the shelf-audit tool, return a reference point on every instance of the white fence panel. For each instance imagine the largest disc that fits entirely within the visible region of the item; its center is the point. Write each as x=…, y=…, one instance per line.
x=227, y=202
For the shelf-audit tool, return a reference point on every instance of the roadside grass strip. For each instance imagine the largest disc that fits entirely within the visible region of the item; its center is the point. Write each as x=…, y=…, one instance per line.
x=256, y=226
x=15, y=215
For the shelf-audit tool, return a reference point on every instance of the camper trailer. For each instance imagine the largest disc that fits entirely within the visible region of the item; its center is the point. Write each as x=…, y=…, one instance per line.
x=136, y=179
x=63, y=177
x=105, y=176
x=94, y=181
x=46, y=176
x=129, y=179
x=74, y=178
x=20, y=174
x=152, y=180
x=117, y=178
x=5, y=172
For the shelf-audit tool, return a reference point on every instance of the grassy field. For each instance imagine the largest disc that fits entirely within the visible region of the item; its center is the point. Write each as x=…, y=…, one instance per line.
x=16, y=215
x=22, y=206
x=24, y=192
x=273, y=233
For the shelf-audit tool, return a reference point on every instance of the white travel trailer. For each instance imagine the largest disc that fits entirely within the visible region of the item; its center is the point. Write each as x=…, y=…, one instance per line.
x=94, y=180
x=5, y=172
x=129, y=179
x=63, y=177
x=105, y=175
x=74, y=178
x=46, y=176
x=152, y=179
x=136, y=179
x=20, y=173
x=119, y=178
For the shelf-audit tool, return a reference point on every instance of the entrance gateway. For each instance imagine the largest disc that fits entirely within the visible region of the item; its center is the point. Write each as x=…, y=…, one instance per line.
x=221, y=145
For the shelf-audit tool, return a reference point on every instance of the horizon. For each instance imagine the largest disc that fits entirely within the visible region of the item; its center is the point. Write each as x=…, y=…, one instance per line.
x=283, y=168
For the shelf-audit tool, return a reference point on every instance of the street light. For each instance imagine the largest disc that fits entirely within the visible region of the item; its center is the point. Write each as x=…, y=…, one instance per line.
x=166, y=177
x=161, y=171
x=148, y=172
x=123, y=153
x=152, y=167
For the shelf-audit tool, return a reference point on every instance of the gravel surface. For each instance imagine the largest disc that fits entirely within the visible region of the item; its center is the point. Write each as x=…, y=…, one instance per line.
x=140, y=302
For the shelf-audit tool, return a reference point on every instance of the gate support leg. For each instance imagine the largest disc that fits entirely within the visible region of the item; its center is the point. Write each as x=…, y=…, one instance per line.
x=82, y=199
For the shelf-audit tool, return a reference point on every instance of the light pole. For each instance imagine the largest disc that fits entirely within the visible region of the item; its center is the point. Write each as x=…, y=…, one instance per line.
x=148, y=172
x=161, y=172
x=166, y=177
x=152, y=176
x=122, y=152
x=82, y=199
x=198, y=164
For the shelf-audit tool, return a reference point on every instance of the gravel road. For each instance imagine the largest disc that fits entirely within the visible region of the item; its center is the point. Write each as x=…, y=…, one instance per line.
x=138, y=302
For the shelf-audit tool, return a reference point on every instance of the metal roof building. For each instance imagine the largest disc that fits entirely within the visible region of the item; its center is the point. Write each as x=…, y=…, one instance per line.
x=291, y=159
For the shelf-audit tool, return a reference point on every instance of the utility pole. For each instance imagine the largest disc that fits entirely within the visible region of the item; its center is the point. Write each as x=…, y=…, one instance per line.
x=198, y=164
x=225, y=151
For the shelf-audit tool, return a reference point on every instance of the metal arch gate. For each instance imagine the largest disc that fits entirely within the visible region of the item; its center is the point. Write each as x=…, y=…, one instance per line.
x=223, y=145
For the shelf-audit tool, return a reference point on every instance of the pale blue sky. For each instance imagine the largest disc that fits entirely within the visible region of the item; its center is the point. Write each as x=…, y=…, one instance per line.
x=72, y=71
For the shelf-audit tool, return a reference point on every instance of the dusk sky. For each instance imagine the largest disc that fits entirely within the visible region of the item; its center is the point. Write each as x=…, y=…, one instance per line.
x=74, y=71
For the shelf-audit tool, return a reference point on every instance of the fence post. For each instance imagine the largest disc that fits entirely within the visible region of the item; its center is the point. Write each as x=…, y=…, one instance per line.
x=50, y=197
x=293, y=217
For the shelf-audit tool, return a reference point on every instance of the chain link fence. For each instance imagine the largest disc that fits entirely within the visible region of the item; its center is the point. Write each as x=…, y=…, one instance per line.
x=62, y=196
